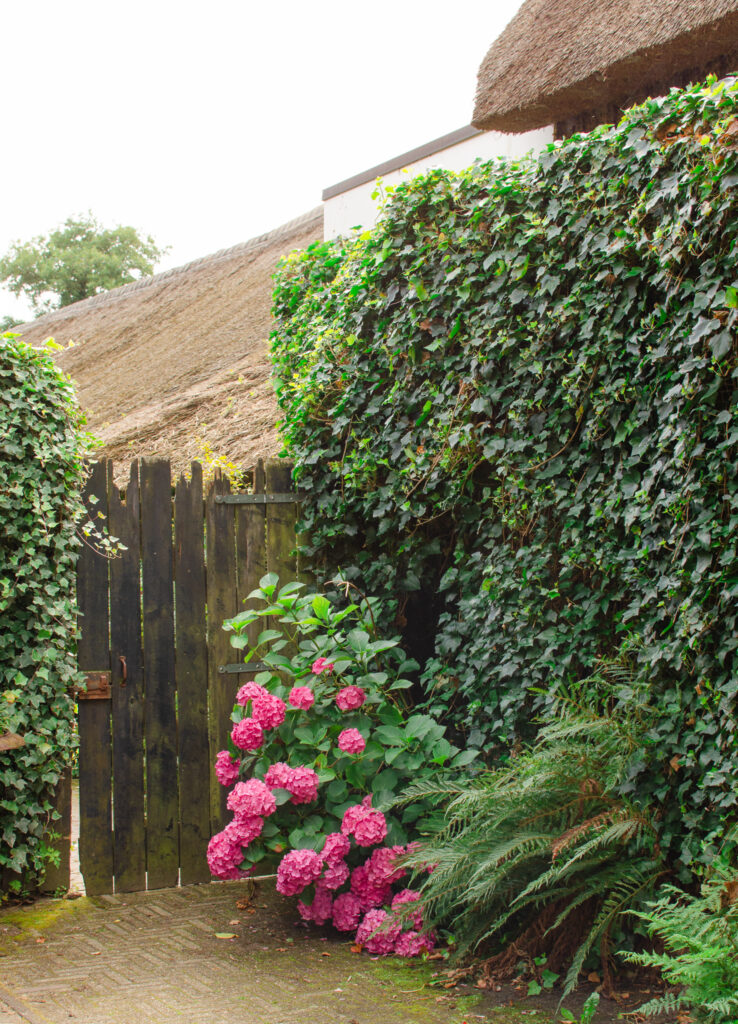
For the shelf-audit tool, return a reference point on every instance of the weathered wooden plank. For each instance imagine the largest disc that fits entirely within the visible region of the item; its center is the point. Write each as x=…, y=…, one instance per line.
x=162, y=796
x=96, y=840
x=57, y=877
x=129, y=835
x=222, y=604
x=195, y=767
x=251, y=549
x=280, y=523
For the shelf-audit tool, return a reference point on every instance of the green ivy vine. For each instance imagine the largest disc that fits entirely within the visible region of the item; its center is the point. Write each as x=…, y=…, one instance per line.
x=42, y=449
x=511, y=406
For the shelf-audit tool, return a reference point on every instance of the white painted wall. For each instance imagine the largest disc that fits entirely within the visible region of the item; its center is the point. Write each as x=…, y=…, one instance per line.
x=356, y=208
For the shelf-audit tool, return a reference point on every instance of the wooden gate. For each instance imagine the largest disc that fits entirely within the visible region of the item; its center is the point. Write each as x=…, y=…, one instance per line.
x=162, y=673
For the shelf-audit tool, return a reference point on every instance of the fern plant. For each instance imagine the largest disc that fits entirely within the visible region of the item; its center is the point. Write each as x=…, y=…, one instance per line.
x=700, y=934
x=548, y=847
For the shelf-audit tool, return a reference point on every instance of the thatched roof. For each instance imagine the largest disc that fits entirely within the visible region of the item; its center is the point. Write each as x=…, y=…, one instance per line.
x=179, y=360
x=578, y=62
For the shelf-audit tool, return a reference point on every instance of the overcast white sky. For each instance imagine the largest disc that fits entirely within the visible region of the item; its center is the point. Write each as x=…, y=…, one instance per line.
x=206, y=124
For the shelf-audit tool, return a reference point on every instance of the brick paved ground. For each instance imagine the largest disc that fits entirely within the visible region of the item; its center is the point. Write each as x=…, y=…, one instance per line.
x=153, y=958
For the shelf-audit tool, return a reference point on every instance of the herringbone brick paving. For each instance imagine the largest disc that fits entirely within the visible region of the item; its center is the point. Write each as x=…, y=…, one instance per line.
x=153, y=958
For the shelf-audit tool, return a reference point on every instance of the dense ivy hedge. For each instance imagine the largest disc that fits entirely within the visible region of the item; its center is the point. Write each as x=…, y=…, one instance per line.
x=41, y=474
x=511, y=406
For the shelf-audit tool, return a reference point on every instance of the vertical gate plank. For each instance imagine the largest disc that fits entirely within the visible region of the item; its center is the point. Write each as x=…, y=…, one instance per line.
x=222, y=604
x=195, y=768
x=58, y=877
x=162, y=797
x=280, y=523
x=251, y=548
x=129, y=837
x=95, y=842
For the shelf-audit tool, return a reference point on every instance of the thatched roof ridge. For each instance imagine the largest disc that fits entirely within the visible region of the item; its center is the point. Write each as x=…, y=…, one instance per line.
x=177, y=362
x=314, y=218
x=559, y=60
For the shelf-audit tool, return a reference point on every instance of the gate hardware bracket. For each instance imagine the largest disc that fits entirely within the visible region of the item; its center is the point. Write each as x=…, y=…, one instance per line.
x=98, y=686
x=257, y=499
x=251, y=667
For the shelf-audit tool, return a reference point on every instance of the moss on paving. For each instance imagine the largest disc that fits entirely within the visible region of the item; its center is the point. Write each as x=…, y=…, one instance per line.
x=288, y=960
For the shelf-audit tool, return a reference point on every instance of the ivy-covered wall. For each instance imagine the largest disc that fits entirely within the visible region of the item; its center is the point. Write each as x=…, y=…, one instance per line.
x=42, y=446
x=512, y=408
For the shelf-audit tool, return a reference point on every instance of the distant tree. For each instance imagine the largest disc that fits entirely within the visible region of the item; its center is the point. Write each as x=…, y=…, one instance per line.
x=78, y=259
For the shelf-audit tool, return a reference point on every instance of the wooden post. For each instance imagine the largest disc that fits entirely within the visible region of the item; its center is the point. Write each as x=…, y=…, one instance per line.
x=95, y=776
x=162, y=795
x=58, y=877
x=195, y=766
x=222, y=604
x=127, y=687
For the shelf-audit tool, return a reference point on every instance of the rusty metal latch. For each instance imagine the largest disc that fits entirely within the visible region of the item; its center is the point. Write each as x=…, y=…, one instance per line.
x=98, y=686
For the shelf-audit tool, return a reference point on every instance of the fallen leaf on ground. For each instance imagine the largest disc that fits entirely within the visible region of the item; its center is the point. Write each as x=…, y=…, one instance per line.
x=594, y=977
x=243, y=904
x=357, y=948
x=234, y=922
x=225, y=935
x=325, y=954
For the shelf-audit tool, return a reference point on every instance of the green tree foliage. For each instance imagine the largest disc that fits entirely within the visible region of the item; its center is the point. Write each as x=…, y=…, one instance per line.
x=512, y=409
x=42, y=447
x=77, y=260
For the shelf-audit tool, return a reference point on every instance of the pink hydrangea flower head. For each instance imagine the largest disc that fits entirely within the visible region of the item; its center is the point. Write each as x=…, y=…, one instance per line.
x=376, y=941
x=350, y=698
x=245, y=828
x=321, y=665
x=305, y=910
x=406, y=898
x=303, y=785
x=335, y=875
x=369, y=891
x=351, y=741
x=381, y=865
x=268, y=711
x=301, y=697
x=412, y=943
x=297, y=870
x=249, y=691
x=335, y=847
x=370, y=829
x=247, y=734
x=346, y=912
x=224, y=855
x=251, y=797
x=320, y=910
x=226, y=768
x=351, y=816
x=221, y=856
x=278, y=775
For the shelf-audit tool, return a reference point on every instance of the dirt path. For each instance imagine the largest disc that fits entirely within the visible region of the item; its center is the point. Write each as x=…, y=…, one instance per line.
x=156, y=958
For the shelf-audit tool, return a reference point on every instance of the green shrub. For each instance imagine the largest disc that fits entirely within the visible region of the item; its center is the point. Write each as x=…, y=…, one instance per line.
x=700, y=934
x=42, y=447
x=511, y=408
x=547, y=851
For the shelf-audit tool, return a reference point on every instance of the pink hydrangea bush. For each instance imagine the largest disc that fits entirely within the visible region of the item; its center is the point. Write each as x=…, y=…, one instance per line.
x=315, y=737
